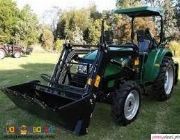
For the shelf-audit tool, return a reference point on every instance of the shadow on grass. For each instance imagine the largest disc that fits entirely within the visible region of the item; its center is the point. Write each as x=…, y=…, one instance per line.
x=27, y=72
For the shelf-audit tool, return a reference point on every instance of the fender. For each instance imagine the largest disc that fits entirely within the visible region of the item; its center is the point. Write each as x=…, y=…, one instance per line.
x=17, y=49
x=153, y=63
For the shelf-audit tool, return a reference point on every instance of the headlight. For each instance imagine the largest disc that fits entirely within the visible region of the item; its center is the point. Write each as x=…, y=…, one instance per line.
x=82, y=69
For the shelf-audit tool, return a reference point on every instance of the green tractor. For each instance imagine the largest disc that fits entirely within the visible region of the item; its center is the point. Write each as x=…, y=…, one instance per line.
x=86, y=74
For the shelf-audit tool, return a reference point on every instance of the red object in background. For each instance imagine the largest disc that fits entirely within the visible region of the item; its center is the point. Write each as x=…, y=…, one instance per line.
x=46, y=129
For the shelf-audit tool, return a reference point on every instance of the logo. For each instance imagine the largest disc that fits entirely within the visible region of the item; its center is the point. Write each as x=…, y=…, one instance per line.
x=10, y=129
x=37, y=129
x=24, y=130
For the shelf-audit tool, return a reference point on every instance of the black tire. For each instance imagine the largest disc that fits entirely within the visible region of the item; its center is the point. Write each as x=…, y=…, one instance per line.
x=2, y=54
x=120, y=97
x=160, y=92
x=17, y=54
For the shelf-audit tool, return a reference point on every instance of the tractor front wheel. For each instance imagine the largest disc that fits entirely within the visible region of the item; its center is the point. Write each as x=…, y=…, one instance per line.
x=164, y=84
x=126, y=103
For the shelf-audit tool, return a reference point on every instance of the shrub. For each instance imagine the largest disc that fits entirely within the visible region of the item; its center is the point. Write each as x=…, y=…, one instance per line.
x=47, y=39
x=58, y=45
x=175, y=47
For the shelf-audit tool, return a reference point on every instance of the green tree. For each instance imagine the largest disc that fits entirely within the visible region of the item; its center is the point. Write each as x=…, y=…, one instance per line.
x=169, y=20
x=60, y=31
x=58, y=45
x=47, y=38
x=95, y=31
x=168, y=7
x=177, y=12
x=17, y=26
x=26, y=29
x=8, y=20
x=71, y=20
x=94, y=14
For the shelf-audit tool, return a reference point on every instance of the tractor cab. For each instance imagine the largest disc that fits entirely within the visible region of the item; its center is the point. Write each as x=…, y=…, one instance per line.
x=145, y=41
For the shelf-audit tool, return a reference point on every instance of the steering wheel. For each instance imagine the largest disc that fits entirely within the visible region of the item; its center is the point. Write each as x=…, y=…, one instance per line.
x=133, y=46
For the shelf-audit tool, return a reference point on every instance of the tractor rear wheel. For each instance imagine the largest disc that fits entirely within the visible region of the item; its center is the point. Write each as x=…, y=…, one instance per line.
x=164, y=84
x=126, y=103
x=2, y=54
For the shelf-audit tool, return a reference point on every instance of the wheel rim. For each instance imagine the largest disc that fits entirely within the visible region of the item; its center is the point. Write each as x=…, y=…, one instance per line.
x=169, y=80
x=1, y=54
x=17, y=55
x=131, y=105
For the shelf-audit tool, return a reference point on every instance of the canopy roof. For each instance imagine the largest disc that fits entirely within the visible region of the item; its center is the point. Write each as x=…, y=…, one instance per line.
x=140, y=11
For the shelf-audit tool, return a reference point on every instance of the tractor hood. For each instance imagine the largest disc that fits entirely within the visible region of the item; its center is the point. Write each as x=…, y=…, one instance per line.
x=118, y=53
x=92, y=55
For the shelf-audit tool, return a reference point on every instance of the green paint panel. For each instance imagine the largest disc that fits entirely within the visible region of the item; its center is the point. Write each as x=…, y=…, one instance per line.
x=110, y=69
x=111, y=83
x=152, y=65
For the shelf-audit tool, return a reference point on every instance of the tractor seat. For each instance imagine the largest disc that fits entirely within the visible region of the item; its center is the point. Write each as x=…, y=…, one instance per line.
x=144, y=45
x=143, y=42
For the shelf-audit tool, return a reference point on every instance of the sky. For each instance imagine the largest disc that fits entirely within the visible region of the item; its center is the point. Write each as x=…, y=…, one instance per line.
x=41, y=6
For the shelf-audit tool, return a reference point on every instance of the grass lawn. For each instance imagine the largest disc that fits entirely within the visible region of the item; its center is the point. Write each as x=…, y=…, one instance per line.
x=154, y=116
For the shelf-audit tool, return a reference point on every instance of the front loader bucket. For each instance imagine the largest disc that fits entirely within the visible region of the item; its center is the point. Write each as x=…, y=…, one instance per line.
x=50, y=104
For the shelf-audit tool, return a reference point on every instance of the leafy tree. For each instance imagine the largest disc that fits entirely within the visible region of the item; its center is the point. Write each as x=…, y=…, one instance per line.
x=122, y=23
x=58, y=45
x=72, y=21
x=60, y=30
x=47, y=38
x=95, y=31
x=80, y=26
x=86, y=34
x=78, y=36
x=169, y=21
x=94, y=14
x=8, y=19
x=177, y=12
x=154, y=3
x=26, y=30
x=169, y=14
x=17, y=26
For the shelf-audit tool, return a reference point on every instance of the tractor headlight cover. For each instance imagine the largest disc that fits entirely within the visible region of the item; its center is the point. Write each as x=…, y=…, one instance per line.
x=82, y=69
